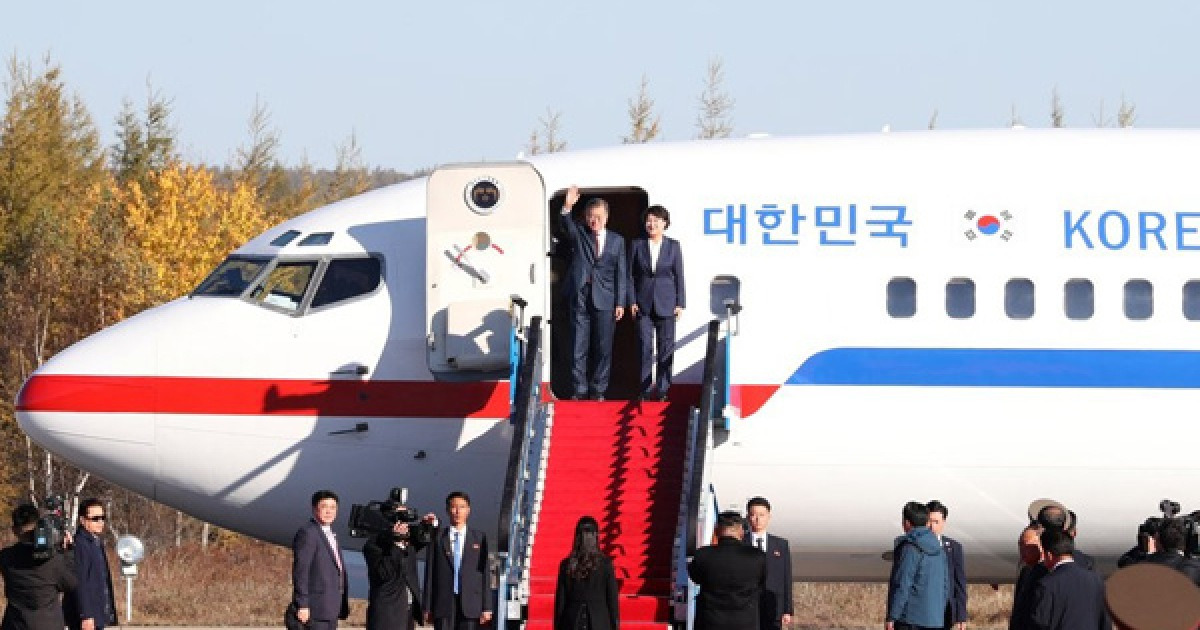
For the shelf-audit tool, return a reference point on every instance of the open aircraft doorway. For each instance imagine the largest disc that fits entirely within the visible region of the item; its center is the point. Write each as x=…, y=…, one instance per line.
x=625, y=209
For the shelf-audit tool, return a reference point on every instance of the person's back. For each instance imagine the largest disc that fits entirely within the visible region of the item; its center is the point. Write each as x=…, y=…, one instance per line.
x=31, y=585
x=1178, y=561
x=1070, y=597
x=921, y=586
x=731, y=576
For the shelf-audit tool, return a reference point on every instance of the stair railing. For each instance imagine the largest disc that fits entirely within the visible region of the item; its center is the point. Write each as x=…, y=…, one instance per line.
x=517, y=504
x=695, y=511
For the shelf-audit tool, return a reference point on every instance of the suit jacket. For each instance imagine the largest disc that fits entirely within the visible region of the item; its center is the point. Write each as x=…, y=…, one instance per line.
x=956, y=608
x=32, y=588
x=658, y=289
x=474, y=590
x=731, y=577
x=606, y=274
x=776, y=598
x=392, y=581
x=93, y=597
x=317, y=583
x=1070, y=598
x=598, y=591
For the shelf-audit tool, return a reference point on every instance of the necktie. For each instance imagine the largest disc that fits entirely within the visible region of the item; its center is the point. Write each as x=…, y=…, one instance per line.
x=596, y=243
x=457, y=546
x=333, y=546
x=762, y=545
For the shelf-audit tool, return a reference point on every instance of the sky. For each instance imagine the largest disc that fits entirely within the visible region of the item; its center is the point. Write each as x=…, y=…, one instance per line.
x=421, y=84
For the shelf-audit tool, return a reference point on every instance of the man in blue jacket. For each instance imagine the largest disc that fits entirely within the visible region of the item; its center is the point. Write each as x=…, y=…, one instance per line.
x=92, y=606
x=920, y=585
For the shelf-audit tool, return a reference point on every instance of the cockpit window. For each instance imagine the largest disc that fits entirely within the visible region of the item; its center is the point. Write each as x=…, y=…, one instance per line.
x=285, y=238
x=231, y=277
x=347, y=278
x=316, y=238
x=285, y=285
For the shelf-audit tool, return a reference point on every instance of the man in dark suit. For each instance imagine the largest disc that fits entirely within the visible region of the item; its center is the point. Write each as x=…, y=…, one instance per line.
x=1029, y=548
x=457, y=593
x=656, y=263
x=318, y=570
x=92, y=606
x=32, y=585
x=731, y=577
x=775, y=607
x=394, y=591
x=956, y=607
x=1069, y=597
x=597, y=291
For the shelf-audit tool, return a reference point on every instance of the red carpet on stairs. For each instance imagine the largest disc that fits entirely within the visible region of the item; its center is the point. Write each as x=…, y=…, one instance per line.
x=622, y=463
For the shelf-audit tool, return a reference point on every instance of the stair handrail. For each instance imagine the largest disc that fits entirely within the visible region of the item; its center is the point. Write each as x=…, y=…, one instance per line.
x=516, y=500
x=699, y=443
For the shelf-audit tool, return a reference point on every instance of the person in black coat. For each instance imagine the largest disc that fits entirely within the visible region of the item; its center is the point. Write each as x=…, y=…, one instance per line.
x=656, y=264
x=586, y=593
x=394, y=591
x=731, y=576
x=91, y=606
x=32, y=586
x=1170, y=542
x=1069, y=597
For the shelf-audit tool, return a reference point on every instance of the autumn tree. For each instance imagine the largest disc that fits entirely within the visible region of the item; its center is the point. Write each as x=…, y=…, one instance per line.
x=547, y=137
x=716, y=105
x=146, y=141
x=643, y=123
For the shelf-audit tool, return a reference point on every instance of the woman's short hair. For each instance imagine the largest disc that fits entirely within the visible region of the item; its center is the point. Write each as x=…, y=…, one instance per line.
x=660, y=212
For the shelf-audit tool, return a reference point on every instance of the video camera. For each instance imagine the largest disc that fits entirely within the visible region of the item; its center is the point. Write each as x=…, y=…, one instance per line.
x=48, y=534
x=377, y=517
x=1171, y=509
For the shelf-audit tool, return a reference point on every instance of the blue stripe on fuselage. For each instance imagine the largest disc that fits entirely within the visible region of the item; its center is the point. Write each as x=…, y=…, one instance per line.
x=992, y=367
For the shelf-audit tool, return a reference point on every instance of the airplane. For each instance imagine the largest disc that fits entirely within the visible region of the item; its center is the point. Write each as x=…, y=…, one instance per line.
x=981, y=317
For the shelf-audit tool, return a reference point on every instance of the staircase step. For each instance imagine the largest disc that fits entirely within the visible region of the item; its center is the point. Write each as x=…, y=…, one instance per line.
x=633, y=608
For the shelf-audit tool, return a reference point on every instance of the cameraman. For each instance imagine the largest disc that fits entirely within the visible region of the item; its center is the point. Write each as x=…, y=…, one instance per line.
x=32, y=586
x=394, y=598
x=1171, y=538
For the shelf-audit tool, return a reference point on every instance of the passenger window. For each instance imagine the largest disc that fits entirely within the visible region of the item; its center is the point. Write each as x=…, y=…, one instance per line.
x=1079, y=299
x=960, y=298
x=1139, y=299
x=231, y=277
x=1191, y=300
x=1018, y=298
x=901, y=297
x=284, y=287
x=347, y=278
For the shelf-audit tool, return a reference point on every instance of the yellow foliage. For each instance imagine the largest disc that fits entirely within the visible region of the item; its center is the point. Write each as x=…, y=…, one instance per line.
x=188, y=227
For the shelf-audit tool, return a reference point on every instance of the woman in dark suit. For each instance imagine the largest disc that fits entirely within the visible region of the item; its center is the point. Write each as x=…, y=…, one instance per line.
x=586, y=595
x=656, y=264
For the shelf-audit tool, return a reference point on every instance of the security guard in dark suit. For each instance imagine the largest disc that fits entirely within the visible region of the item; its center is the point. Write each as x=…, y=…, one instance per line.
x=775, y=607
x=31, y=585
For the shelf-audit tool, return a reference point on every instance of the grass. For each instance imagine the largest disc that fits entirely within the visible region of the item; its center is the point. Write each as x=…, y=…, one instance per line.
x=248, y=583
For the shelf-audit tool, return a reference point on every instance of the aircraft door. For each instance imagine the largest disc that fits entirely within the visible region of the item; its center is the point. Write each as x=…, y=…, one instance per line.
x=485, y=244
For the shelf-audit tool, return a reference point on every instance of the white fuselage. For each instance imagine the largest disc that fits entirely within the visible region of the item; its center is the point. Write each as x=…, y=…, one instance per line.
x=231, y=411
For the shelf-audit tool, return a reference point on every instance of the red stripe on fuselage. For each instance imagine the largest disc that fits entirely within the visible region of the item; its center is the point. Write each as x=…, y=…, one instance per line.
x=233, y=396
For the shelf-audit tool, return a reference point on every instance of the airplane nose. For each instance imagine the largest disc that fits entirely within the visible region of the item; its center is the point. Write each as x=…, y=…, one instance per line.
x=93, y=405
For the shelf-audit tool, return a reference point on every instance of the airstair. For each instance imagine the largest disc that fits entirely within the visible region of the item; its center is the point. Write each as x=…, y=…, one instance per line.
x=641, y=469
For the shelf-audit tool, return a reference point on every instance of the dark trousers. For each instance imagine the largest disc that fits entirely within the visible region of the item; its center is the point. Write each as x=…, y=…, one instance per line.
x=656, y=335
x=593, y=340
x=900, y=625
x=458, y=621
